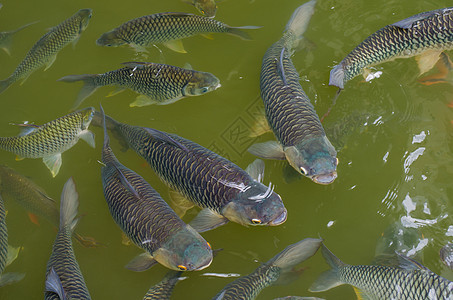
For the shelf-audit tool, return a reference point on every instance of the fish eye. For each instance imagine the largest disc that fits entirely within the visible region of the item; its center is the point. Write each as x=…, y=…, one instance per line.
x=182, y=268
x=303, y=171
x=203, y=12
x=204, y=90
x=337, y=161
x=256, y=221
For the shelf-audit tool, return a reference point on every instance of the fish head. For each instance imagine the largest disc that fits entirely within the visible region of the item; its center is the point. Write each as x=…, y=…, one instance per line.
x=256, y=205
x=201, y=83
x=315, y=158
x=207, y=7
x=87, y=115
x=110, y=39
x=185, y=250
x=84, y=16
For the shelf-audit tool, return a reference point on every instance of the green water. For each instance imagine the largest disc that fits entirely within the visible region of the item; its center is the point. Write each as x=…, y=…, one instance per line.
x=387, y=171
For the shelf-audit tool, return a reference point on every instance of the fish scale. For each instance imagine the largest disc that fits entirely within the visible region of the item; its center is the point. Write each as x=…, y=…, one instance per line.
x=164, y=289
x=434, y=32
x=3, y=237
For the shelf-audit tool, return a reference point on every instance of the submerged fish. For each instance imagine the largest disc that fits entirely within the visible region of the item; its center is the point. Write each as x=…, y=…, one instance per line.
x=164, y=289
x=446, y=255
x=221, y=188
x=280, y=266
x=45, y=51
x=6, y=37
x=207, y=7
x=148, y=221
x=426, y=34
x=166, y=28
x=409, y=280
x=157, y=83
x=301, y=137
x=64, y=280
x=48, y=141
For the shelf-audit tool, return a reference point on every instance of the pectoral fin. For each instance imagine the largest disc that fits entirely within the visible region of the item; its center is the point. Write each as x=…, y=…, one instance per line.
x=175, y=45
x=13, y=253
x=10, y=278
x=143, y=100
x=19, y=158
x=361, y=294
x=141, y=262
x=427, y=60
x=207, y=220
x=268, y=150
x=125, y=240
x=53, y=163
x=260, y=127
x=116, y=92
x=256, y=170
x=179, y=203
x=88, y=137
x=54, y=285
x=50, y=62
x=209, y=36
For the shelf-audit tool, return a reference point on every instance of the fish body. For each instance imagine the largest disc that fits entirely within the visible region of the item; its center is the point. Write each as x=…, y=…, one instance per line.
x=45, y=51
x=221, y=188
x=48, y=141
x=3, y=237
x=157, y=83
x=409, y=280
x=164, y=28
x=164, y=289
x=6, y=37
x=64, y=280
x=301, y=138
x=446, y=255
x=147, y=219
x=207, y=7
x=248, y=287
x=426, y=34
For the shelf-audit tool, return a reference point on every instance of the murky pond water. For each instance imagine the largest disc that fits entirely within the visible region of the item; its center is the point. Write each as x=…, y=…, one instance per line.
x=393, y=137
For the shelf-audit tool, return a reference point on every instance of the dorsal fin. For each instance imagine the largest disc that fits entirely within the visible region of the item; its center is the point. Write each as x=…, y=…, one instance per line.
x=280, y=66
x=164, y=137
x=126, y=182
x=410, y=264
x=409, y=22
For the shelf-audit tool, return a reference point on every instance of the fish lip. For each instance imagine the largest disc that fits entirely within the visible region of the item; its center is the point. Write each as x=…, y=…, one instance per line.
x=205, y=266
x=325, y=178
x=280, y=219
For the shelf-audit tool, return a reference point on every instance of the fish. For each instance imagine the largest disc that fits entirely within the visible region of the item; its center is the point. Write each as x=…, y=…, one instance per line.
x=164, y=289
x=298, y=298
x=7, y=253
x=6, y=37
x=167, y=29
x=446, y=255
x=207, y=8
x=148, y=221
x=302, y=140
x=224, y=191
x=45, y=51
x=280, y=267
x=48, y=141
x=19, y=188
x=424, y=35
x=409, y=280
x=64, y=279
x=156, y=83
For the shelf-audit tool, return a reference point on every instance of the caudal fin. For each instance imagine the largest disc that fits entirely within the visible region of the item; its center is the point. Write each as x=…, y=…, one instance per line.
x=329, y=279
x=300, y=18
x=337, y=76
x=4, y=84
x=239, y=31
x=89, y=86
x=68, y=205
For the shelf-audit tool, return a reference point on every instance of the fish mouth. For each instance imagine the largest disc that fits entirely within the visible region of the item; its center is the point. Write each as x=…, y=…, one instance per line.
x=325, y=178
x=280, y=219
x=204, y=266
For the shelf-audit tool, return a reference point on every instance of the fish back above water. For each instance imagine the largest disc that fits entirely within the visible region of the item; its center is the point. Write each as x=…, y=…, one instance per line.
x=45, y=51
x=63, y=272
x=428, y=33
x=410, y=280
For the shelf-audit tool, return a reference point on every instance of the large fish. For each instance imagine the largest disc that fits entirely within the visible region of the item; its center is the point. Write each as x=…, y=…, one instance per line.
x=45, y=51
x=426, y=35
x=290, y=114
x=164, y=289
x=221, y=188
x=207, y=7
x=48, y=141
x=64, y=280
x=446, y=255
x=409, y=280
x=166, y=28
x=6, y=37
x=157, y=83
x=148, y=221
x=280, y=266
x=17, y=187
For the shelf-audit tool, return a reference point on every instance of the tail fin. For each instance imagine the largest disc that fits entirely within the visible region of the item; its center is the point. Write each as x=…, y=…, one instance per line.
x=300, y=18
x=88, y=88
x=8, y=37
x=329, y=279
x=68, y=205
x=239, y=32
x=4, y=84
x=337, y=76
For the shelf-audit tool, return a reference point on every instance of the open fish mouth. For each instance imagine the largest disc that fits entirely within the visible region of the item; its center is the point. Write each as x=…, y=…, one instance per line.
x=325, y=178
x=280, y=219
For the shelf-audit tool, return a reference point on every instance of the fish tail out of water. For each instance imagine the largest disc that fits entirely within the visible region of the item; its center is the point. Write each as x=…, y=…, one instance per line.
x=293, y=255
x=68, y=206
x=4, y=84
x=89, y=86
x=239, y=31
x=300, y=18
x=330, y=278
